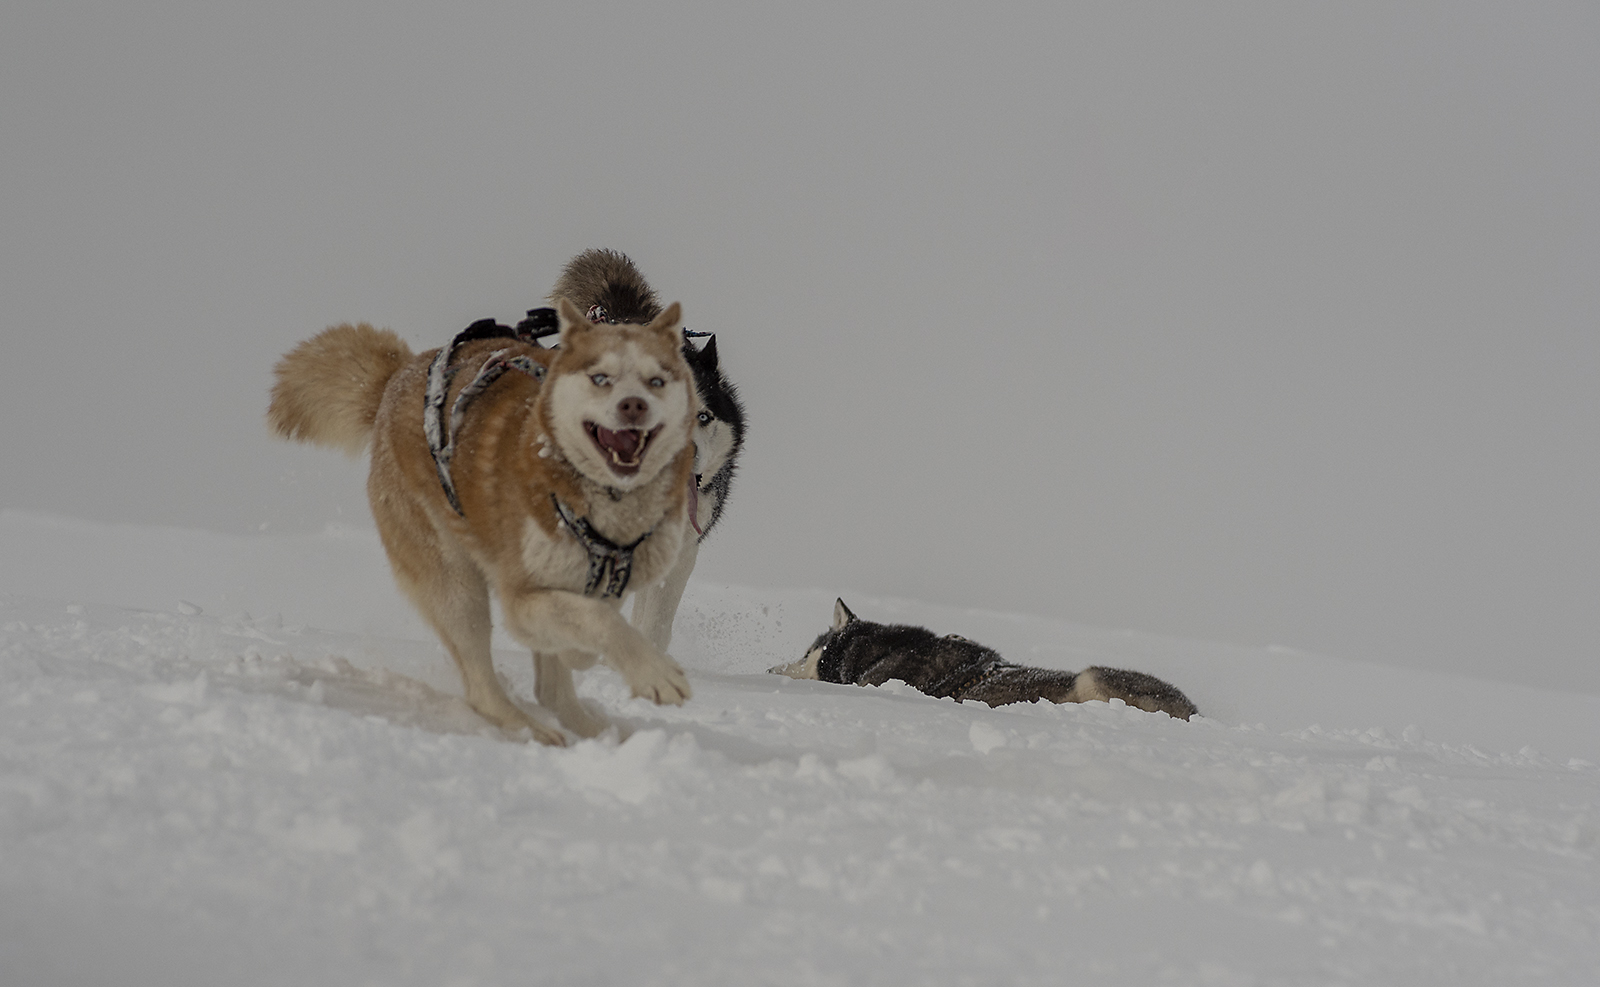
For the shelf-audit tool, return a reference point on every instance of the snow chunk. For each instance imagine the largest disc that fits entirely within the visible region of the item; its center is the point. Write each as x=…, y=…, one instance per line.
x=985, y=737
x=630, y=771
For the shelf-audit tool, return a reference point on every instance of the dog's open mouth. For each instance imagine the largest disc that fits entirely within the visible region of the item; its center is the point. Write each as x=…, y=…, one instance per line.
x=625, y=446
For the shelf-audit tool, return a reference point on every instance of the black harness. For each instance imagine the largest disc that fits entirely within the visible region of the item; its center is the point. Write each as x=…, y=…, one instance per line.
x=968, y=677
x=441, y=435
x=610, y=564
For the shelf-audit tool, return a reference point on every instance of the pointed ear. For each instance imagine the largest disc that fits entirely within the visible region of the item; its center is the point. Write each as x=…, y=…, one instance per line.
x=572, y=319
x=669, y=320
x=842, y=615
x=708, y=353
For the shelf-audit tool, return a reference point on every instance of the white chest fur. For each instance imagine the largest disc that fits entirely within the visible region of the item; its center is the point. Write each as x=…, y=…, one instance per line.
x=562, y=561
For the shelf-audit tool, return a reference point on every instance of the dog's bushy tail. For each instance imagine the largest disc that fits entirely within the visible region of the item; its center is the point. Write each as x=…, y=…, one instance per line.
x=328, y=388
x=1134, y=688
x=608, y=279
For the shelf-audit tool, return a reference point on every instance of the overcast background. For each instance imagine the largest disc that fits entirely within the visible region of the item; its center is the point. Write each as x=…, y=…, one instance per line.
x=1261, y=322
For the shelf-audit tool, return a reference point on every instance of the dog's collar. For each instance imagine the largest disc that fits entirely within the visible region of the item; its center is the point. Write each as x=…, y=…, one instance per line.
x=610, y=564
x=442, y=435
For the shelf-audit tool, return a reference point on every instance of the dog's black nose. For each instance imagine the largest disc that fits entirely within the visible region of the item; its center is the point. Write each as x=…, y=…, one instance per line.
x=632, y=410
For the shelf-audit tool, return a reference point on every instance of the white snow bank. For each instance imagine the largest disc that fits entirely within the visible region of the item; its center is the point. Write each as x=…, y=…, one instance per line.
x=336, y=580
x=339, y=581
x=214, y=798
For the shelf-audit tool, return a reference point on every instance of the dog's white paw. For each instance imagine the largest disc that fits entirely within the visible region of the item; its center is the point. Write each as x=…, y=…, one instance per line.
x=662, y=681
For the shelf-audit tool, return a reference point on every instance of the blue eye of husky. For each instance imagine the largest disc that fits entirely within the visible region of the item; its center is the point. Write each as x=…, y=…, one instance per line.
x=703, y=417
x=657, y=382
x=600, y=380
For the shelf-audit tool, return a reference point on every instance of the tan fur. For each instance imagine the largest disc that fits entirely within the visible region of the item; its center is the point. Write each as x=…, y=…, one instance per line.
x=1087, y=688
x=521, y=441
x=329, y=387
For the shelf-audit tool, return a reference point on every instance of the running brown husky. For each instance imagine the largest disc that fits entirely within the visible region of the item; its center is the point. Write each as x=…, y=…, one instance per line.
x=556, y=479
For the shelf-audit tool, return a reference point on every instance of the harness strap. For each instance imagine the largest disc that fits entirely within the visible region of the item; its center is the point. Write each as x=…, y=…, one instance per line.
x=442, y=435
x=967, y=677
x=609, y=563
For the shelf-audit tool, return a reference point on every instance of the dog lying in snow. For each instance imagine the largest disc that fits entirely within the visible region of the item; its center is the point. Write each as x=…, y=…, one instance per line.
x=859, y=652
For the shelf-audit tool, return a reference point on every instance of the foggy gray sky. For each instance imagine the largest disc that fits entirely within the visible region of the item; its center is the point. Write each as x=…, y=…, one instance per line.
x=1260, y=322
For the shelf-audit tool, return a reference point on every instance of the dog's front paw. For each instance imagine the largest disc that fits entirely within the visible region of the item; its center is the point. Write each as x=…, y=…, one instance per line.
x=662, y=681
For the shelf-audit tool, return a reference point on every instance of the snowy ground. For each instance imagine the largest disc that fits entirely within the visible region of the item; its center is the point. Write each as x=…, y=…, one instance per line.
x=241, y=761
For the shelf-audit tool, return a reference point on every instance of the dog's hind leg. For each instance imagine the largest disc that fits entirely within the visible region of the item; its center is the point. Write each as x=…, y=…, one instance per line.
x=654, y=607
x=553, y=688
x=453, y=598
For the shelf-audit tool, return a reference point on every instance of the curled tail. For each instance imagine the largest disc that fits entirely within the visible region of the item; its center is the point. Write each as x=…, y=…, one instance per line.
x=328, y=388
x=610, y=280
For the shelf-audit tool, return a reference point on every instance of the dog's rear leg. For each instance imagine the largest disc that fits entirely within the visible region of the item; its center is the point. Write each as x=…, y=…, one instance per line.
x=654, y=607
x=553, y=688
x=455, y=601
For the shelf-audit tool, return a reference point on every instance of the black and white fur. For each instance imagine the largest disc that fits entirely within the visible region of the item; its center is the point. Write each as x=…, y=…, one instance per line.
x=859, y=652
x=607, y=283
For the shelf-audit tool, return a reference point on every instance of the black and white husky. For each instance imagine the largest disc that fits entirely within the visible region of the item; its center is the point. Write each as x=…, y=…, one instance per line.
x=859, y=652
x=609, y=288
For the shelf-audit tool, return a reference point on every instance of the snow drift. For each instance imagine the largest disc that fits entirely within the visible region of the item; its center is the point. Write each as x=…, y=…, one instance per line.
x=241, y=761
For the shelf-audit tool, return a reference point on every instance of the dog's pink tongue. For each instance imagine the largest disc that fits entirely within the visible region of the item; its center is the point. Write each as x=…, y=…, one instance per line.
x=694, y=507
x=624, y=443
